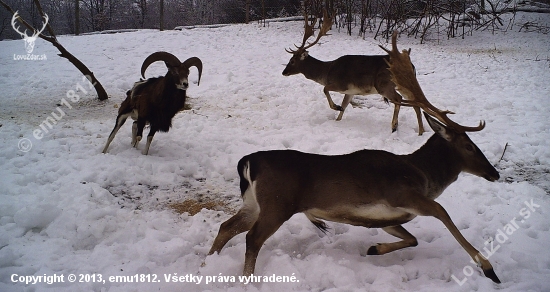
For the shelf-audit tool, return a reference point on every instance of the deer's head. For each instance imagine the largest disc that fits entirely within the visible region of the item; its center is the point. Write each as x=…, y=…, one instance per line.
x=301, y=53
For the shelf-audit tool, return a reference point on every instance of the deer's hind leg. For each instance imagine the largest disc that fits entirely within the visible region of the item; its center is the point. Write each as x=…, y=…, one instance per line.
x=397, y=231
x=124, y=112
x=242, y=221
x=419, y=119
x=386, y=88
x=347, y=99
x=239, y=223
x=268, y=222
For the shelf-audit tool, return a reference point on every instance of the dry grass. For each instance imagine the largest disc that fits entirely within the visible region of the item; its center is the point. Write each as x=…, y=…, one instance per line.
x=193, y=207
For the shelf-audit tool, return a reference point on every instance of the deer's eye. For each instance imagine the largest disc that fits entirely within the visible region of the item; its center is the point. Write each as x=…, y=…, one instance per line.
x=469, y=147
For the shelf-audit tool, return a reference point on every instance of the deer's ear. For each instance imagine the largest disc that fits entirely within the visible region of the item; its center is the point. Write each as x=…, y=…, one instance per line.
x=439, y=128
x=304, y=55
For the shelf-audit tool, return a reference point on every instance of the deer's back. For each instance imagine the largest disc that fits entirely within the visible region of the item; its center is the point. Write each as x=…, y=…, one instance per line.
x=358, y=74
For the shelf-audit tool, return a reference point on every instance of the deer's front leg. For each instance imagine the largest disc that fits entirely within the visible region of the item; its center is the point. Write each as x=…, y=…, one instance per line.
x=427, y=207
x=330, y=102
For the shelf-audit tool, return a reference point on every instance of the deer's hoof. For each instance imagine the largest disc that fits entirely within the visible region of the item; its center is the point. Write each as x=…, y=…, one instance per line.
x=372, y=250
x=490, y=273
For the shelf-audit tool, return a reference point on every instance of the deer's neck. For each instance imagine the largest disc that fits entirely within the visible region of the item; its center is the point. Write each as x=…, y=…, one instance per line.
x=316, y=70
x=439, y=162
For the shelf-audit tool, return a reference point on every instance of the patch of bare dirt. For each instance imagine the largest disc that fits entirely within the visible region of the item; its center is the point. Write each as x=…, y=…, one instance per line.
x=192, y=206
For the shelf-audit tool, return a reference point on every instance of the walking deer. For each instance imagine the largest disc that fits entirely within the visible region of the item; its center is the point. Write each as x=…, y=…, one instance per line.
x=349, y=74
x=370, y=188
x=402, y=74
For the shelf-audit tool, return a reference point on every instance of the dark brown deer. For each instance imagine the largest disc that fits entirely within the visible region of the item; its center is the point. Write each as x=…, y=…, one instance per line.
x=349, y=74
x=370, y=188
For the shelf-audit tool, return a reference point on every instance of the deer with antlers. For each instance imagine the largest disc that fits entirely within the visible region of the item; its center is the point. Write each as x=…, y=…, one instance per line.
x=370, y=188
x=349, y=74
x=402, y=75
x=29, y=40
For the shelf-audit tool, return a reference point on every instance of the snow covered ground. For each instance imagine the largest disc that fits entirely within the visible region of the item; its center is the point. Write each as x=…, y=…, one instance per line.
x=66, y=208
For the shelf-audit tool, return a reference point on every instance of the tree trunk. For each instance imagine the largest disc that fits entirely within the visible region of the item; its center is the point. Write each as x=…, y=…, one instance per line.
x=77, y=17
x=161, y=15
x=263, y=11
x=247, y=11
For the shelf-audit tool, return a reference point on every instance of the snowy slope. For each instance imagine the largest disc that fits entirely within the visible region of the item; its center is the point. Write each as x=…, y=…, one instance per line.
x=65, y=208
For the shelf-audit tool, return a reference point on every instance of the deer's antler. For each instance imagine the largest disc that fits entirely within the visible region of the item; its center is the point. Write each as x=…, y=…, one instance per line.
x=406, y=84
x=327, y=24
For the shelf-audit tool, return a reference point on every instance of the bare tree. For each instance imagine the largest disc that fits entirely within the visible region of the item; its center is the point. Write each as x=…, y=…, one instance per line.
x=77, y=17
x=4, y=23
x=161, y=16
x=95, y=16
x=418, y=18
x=142, y=9
x=247, y=11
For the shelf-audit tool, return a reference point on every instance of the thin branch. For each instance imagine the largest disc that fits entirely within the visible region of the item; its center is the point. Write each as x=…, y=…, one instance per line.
x=505, y=147
x=48, y=26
